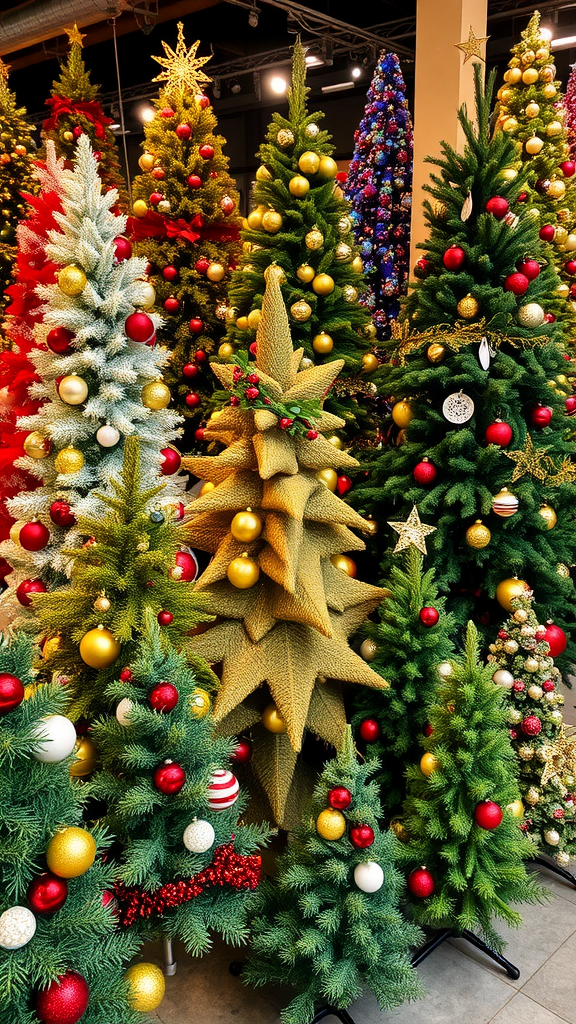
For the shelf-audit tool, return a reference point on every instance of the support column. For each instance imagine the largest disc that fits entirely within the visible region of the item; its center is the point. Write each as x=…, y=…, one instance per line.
x=443, y=83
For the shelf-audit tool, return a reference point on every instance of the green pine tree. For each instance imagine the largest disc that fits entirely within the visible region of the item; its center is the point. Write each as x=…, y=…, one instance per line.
x=16, y=150
x=330, y=921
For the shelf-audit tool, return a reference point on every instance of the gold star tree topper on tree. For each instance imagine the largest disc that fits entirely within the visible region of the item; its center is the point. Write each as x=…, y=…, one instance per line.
x=413, y=531
x=181, y=67
x=472, y=46
x=74, y=35
x=4, y=70
x=285, y=638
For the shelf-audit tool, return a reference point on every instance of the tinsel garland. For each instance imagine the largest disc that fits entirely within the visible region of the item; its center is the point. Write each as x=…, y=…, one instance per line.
x=227, y=868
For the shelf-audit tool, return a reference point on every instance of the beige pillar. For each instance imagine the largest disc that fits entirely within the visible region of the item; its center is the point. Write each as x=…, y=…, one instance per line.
x=443, y=83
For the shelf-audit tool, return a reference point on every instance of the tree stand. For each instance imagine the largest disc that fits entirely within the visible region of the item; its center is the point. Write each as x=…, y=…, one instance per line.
x=170, y=964
x=455, y=933
x=543, y=862
x=331, y=1011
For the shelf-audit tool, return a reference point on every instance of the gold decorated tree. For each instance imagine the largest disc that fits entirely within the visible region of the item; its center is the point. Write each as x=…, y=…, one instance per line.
x=285, y=593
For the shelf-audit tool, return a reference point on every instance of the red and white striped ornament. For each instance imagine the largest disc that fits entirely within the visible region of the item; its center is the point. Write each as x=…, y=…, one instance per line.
x=223, y=790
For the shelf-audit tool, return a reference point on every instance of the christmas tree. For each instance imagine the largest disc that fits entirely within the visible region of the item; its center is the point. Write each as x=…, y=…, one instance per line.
x=135, y=561
x=379, y=189
x=16, y=148
x=524, y=652
x=464, y=843
x=481, y=394
x=76, y=110
x=405, y=646
x=186, y=223
x=570, y=107
x=285, y=593
x=55, y=882
x=302, y=222
x=99, y=382
x=530, y=110
x=173, y=803
x=330, y=921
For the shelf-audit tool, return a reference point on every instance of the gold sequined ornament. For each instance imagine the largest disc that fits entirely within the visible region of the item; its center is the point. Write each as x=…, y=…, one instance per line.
x=155, y=395
x=342, y=252
x=331, y=824
x=300, y=311
x=199, y=703
x=349, y=293
x=146, y=987
x=549, y=516
x=478, y=536
x=101, y=604
x=37, y=446
x=435, y=353
x=71, y=852
x=285, y=138
x=468, y=307
x=86, y=755
x=69, y=460
x=314, y=239
x=72, y=281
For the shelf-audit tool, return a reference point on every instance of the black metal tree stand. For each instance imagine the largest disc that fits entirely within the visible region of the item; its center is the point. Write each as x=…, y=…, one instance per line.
x=331, y=1011
x=543, y=862
x=454, y=933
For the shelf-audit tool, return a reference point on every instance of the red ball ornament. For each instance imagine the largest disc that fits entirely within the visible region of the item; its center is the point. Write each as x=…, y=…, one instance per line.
x=29, y=587
x=540, y=416
x=531, y=725
x=568, y=168
x=454, y=257
x=549, y=318
x=11, y=692
x=64, y=1001
x=570, y=405
x=170, y=273
x=343, y=485
x=498, y=207
x=570, y=267
x=518, y=685
x=183, y=131
x=427, y=729
x=190, y=370
x=200, y=356
x=167, y=112
x=163, y=697
x=188, y=563
x=199, y=434
x=422, y=268
x=59, y=340
x=203, y=102
x=424, y=473
x=227, y=205
x=206, y=151
x=170, y=461
x=498, y=433
x=253, y=348
x=34, y=536
x=139, y=327
x=488, y=814
x=556, y=639
x=213, y=174
x=172, y=304
x=194, y=181
x=122, y=249
x=178, y=511
x=164, y=617
x=428, y=616
x=369, y=730
x=158, y=173
x=529, y=267
x=242, y=752
x=192, y=400
x=340, y=798
x=341, y=176
x=61, y=514
x=202, y=265
x=522, y=197
x=547, y=686
x=516, y=283
x=421, y=883
x=126, y=675
x=573, y=291
x=195, y=325
x=361, y=836
x=77, y=131
x=169, y=778
x=47, y=893
x=547, y=233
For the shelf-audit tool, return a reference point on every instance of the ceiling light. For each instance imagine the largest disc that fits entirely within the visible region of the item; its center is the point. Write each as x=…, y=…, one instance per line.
x=235, y=86
x=278, y=85
x=313, y=60
x=546, y=33
x=338, y=87
x=114, y=127
x=253, y=16
x=356, y=72
x=563, y=43
x=146, y=114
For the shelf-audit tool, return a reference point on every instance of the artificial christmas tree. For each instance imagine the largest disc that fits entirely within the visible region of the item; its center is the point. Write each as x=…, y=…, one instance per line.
x=481, y=393
x=570, y=107
x=55, y=883
x=330, y=922
x=99, y=379
x=302, y=222
x=523, y=658
x=287, y=599
x=186, y=223
x=464, y=846
x=16, y=150
x=379, y=189
x=411, y=638
x=76, y=110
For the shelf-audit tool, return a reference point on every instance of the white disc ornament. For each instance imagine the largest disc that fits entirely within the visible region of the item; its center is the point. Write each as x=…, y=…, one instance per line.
x=223, y=790
x=502, y=677
x=123, y=711
x=458, y=407
x=198, y=836
x=57, y=737
x=107, y=436
x=531, y=315
x=369, y=876
x=17, y=927
x=505, y=504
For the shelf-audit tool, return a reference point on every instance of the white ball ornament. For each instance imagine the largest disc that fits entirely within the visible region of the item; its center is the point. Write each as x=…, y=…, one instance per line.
x=123, y=711
x=17, y=927
x=368, y=876
x=503, y=678
x=198, y=836
x=107, y=436
x=562, y=859
x=223, y=790
x=535, y=692
x=73, y=389
x=445, y=669
x=57, y=738
x=531, y=315
x=551, y=836
x=147, y=295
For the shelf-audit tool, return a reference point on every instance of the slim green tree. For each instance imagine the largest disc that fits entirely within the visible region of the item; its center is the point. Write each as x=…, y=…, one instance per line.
x=16, y=152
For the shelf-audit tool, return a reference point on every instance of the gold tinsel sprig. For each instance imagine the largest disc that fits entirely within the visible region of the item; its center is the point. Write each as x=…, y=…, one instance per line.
x=456, y=337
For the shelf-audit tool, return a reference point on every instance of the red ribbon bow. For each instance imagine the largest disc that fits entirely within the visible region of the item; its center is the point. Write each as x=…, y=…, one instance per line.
x=61, y=106
x=155, y=225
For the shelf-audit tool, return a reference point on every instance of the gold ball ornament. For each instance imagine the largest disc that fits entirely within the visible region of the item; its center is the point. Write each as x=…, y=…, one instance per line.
x=199, y=703
x=139, y=208
x=329, y=477
x=155, y=395
x=516, y=809
x=37, y=446
x=86, y=755
x=300, y=311
x=554, y=128
x=323, y=284
x=207, y=486
x=468, y=307
x=263, y=174
x=305, y=273
x=531, y=109
x=357, y=265
x=69, y=460
x=254, y=219
x=68, y=136
x=402, y=413
x=322, y=343
x=99, y=648
x=272, y=719
x=72, y=281
x=527, y=57
x=272, y=221
x=549, y=91
x=15, y=530
x=563, y=570
x=345, y=564
x=533, y=145
x=327, y=168
x=400, y=831
x=510, y=125
x=508, y=174
x=242, y=323
x=370, y=362
x=102, y=604
x=370, y=527
x=246, y=526
x=513, y=76
x=563, y=291
x=349, y=293
x=530, y=76
x=478, y=536
x=556, y=189
x=225, y=350
x=146, y=162
x=73, y=390
x=215, y=272
x=509, y=589
x=428, y=764
x=147, y=987
x=435, y=353
x=243, y=572
x=254, y=318
x=298, y=186
x=549, y=516
x=285, y=138
x=51, y=646
x=336, y=442
x=314, y=239
x=330, y=824
x=71, y=852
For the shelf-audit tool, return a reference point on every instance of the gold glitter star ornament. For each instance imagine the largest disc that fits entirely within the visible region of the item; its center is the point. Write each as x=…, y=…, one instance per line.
x=181, y=67
x=74, y=35
x=413, y=531
x=471, y=47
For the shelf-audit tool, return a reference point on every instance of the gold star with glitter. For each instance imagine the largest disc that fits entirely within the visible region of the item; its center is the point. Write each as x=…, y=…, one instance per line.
x=562, y=763
x=74, y=35
x=413, y=531
x=4, y=70
x=471, y=47
x=528, y=460
x=181, y=67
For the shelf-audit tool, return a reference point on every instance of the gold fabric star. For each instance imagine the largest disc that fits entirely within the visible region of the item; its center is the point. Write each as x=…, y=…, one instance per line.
x=181, y=67
x=4, y=69
x=74, y=35
x=562, y=763
x=471, y=47
x=528, y=460
x=412, y=532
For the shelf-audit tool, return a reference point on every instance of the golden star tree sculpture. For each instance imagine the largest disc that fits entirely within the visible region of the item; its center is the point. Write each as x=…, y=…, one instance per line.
x=284, y=638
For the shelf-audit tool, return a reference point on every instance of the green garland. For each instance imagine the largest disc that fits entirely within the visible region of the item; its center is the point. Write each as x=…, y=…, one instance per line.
x=249, y=392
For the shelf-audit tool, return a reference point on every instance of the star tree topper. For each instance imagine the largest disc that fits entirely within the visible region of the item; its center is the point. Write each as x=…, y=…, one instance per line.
x=181, y=67
x=74, y=35
x=471, y=47
x=413, y=531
